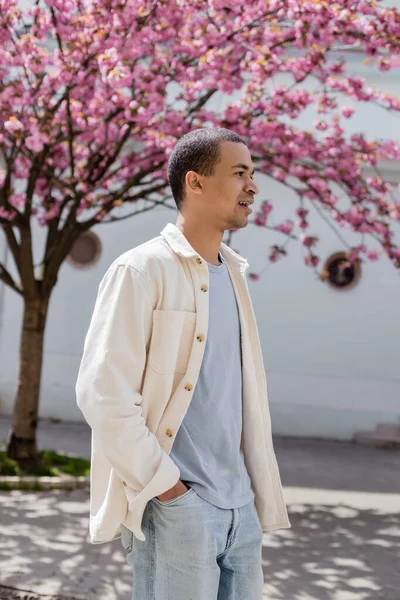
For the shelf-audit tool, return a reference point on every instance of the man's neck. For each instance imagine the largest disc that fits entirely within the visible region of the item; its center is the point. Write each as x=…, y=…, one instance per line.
x=205, y=242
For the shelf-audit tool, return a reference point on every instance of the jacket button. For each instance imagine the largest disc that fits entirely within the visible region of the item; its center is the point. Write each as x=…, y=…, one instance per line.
x=200, y=337
x=198, y=260
x=188, y=387
x=169, y=432
x=124, y=483
x=204, y=288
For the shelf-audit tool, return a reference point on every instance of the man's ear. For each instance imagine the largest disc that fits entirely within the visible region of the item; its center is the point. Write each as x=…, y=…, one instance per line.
x=193, y=182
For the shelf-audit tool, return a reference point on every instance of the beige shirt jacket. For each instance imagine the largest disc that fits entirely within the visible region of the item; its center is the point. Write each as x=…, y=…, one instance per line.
x=141, y=361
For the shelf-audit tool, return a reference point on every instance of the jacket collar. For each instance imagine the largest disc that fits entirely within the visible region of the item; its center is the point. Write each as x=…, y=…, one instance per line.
x=179, y=244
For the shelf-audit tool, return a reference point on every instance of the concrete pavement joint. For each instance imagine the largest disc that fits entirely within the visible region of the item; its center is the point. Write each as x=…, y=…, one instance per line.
x=31, y=482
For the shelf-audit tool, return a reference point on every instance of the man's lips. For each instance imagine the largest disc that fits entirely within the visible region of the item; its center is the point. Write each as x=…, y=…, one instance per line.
x=247, y=208
x=248, y=201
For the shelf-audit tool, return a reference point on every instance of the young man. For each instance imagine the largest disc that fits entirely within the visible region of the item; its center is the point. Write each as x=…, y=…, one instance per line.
x=173, y=386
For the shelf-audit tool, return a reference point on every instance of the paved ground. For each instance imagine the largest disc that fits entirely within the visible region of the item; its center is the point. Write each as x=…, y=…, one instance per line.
x=344, y=506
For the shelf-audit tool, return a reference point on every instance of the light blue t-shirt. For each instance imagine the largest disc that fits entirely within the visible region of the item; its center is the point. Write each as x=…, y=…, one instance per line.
x=207, y=445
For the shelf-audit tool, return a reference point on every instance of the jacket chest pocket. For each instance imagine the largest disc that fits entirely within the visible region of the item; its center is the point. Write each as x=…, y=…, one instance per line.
x=171, y=340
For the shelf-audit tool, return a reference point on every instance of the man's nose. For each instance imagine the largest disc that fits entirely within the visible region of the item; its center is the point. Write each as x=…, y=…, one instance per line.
x=251, y=187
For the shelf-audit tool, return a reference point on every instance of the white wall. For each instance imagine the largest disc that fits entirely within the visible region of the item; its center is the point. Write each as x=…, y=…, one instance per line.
x=331, y=357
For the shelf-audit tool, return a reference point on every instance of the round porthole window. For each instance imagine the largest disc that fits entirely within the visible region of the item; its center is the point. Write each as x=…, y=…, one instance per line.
x=86, y=251
x=340, y=273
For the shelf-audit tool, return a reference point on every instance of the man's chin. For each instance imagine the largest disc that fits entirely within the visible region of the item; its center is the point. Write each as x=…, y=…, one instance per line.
x=237, y=225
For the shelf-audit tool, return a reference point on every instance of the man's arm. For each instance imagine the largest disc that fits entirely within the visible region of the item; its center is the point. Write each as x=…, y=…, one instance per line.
x=110, y=377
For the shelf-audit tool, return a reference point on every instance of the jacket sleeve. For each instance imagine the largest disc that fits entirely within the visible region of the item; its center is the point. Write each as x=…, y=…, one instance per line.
x=110, y=378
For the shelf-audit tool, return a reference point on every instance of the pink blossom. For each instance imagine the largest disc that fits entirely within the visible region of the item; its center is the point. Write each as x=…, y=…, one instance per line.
x=347, y=111
x=302, y=212
x=266, y=208
x=303, y=224
x=311, y=260
x=279, y=175
x=260, y=219
x=394, y=212
x=318, y=184
x=321, y=125
x=372, y=255
x=13, y=124
x=286, y=227
x=307, y=240
x=36, y=142
x=7, y=215
x=203, y=67
x=254, y=276
x=355, y=252
x=17, y=200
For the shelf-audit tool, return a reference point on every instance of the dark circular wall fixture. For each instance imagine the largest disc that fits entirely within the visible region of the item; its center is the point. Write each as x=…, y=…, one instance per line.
x=338, y=272
x=86, y=251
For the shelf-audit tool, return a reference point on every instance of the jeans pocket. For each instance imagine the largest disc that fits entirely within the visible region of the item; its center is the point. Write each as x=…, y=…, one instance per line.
x=173, y=500
x=126, y=538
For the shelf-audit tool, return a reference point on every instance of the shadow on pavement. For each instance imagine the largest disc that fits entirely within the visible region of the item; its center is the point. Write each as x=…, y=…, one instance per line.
x=44, y=548
x=331, y=552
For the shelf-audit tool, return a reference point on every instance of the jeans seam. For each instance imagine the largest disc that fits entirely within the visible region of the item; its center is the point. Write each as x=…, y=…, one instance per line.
x=128, y=549
x=130, y=543
x=233, y=534
x=237, y=525
x=152, y=554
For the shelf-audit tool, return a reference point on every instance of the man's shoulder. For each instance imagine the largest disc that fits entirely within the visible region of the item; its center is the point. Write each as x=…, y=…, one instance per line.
x=154, y=253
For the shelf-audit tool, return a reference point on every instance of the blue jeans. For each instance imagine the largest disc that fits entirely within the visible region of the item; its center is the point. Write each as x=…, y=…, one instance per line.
x=196, y=551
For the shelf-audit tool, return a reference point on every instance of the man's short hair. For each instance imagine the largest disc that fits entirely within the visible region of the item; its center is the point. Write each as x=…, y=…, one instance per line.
x=199, y=151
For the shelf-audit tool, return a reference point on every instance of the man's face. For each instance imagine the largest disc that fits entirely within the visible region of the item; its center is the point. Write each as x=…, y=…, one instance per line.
x=218, y=201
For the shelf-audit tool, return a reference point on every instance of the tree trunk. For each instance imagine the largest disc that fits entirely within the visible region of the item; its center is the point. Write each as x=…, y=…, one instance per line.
x=22, y=438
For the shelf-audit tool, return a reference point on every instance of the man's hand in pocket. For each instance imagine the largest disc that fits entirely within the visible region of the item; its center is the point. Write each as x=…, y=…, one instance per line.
x=178, y=489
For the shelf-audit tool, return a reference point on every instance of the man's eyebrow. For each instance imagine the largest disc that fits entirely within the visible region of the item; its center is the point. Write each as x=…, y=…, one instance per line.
x=242, y=166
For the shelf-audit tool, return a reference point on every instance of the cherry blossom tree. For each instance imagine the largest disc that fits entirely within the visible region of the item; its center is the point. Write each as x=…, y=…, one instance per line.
x=95, y=93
